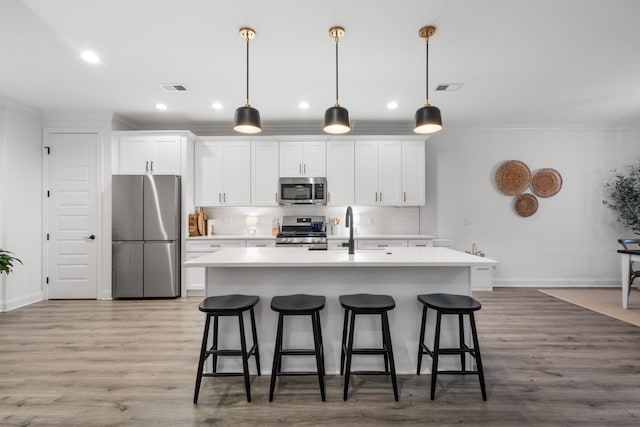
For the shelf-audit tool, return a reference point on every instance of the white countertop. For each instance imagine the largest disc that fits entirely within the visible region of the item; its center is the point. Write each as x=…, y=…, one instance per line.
x=381, y=236
x=300, y=257
x=336, y=237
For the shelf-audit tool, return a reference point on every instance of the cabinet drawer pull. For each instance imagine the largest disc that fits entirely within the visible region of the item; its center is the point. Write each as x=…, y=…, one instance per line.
x=483, y=268
x=214, y=246
x=383, y=246
x=261, y=246
x=421, y=246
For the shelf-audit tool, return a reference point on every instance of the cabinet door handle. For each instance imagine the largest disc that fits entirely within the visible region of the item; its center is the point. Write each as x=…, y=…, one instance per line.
x=381, y=197
x=219, y=197
x=404, y=195
x=328, y=197
x=146, y=166
x=304, y=168
x=300, y=168
x=376, y=197
x=276, y=197
x=224, y=197
x=151, y=165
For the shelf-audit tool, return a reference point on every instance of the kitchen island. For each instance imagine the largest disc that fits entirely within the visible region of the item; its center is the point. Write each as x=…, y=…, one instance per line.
x=402, y=273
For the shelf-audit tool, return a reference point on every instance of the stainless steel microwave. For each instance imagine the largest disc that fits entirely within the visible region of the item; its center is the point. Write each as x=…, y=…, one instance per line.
x=302, y=191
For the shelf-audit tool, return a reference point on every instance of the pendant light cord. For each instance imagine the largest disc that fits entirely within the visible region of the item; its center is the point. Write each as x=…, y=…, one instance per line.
x=426, y=83
x=248, y=105
x=337, y=102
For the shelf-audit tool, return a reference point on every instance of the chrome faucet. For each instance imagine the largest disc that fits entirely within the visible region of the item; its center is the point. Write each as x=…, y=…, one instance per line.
x=348, y=222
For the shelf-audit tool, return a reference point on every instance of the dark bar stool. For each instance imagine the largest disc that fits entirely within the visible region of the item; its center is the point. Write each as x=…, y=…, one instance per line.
x=456, y=305
x=298, y=305
x=366, y=304
x=227, y=305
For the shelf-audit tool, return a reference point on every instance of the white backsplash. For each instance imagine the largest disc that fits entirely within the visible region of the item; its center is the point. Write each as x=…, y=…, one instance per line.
x=369, y=220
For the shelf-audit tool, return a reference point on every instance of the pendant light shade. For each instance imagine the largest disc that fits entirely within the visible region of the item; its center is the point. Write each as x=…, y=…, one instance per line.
x=247, y=118
x=336, y=118
x=428, y=118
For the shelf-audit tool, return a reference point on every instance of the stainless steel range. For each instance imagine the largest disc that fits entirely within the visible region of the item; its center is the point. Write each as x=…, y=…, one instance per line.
x=303, y=231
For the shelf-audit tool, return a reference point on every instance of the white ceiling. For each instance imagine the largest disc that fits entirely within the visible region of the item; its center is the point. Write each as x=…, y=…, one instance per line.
x=523, y=63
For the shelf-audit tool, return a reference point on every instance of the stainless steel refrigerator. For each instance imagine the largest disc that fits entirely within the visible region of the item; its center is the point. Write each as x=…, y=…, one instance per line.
x=145, y=236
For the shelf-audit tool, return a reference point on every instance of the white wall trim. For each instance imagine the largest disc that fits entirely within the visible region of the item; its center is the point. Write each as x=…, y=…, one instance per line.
x=556, y=283
x=22, y=301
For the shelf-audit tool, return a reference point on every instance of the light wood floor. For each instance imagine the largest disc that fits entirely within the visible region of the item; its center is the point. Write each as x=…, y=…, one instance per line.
x=86, y=363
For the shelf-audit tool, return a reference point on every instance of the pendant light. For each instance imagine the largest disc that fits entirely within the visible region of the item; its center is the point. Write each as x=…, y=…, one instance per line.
x=336, y=118
x=247, y=118
x=428, y=119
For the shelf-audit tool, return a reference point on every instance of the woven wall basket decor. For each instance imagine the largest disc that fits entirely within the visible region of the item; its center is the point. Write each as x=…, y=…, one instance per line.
x=513, y=177
x=525, y=204
x=546, y=182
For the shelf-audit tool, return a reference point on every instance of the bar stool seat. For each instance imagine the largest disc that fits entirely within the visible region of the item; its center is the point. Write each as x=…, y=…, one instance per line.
x=366, y=304
x=227, y=305
x=298, y=305
x=448, y=304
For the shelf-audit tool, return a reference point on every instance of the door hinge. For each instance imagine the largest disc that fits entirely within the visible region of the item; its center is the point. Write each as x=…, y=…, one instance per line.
x=47, y=280
x=48, y=149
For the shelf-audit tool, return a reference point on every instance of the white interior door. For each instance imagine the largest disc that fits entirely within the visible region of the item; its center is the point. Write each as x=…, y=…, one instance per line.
x=72, y=219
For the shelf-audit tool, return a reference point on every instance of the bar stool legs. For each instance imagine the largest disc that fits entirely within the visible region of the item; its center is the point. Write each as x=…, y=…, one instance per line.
x=227, y=305
x=298, y=305
x=458, y=305
x=370, y=305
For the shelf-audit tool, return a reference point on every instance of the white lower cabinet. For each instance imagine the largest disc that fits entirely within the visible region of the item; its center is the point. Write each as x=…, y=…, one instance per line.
x=195, y=276
x=481, y=278
x=381, y=244
x=425, y=243
x=261, y=243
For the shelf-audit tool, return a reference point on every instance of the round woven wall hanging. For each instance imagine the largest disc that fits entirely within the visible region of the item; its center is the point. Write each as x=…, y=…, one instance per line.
x=525, y=204
x=513, y=177
x=546, y=182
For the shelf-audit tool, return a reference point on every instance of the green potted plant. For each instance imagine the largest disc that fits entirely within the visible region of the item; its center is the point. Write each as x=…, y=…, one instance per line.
x=623, y=196
x=6, y=261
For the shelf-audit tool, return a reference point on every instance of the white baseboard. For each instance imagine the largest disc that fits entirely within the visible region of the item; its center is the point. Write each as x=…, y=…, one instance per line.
x=194, y=291
x=12, y=304
x=557, y=283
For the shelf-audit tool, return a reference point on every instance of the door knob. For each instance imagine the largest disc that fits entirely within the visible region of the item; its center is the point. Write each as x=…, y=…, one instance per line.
x=92, y=237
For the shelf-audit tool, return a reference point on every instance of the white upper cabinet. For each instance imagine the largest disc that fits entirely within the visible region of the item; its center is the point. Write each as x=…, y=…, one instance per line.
x=302, y=158
x=413, y=173
x=222, y=173
x=340, y=173
x=153, y=154
x=389, y=173
x=378, y=176
x=264, y=173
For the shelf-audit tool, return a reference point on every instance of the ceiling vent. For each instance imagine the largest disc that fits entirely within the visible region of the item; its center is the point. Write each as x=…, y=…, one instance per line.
x=174, y=87
x=449, y=86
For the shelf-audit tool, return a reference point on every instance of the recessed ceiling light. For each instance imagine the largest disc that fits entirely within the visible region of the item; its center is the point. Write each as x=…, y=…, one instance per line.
x=392, y=105
x=216, y=106
x=90, y=57
x=160, y=106
x=303, y=105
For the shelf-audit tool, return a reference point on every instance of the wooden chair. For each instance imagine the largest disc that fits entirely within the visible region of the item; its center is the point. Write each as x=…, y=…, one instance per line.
x=631, y=244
